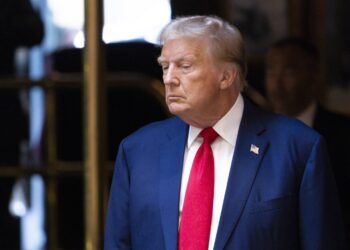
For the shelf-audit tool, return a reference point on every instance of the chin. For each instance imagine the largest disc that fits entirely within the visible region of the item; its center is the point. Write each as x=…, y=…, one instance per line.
x=176, y=109
x=175, y=112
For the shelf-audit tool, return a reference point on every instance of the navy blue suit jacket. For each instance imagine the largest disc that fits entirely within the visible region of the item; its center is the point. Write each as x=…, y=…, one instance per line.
x=283, y=198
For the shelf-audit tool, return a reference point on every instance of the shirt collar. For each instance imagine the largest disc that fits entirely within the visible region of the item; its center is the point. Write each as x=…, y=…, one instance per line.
x=226, y=127
x=307, y=116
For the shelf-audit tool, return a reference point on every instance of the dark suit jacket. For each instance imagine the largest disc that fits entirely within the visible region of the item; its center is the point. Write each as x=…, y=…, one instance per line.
x=336, y=130
x=283, y=198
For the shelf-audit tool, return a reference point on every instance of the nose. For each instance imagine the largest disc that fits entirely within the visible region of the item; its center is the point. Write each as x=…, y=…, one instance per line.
x=170, y=76
x=274, y=77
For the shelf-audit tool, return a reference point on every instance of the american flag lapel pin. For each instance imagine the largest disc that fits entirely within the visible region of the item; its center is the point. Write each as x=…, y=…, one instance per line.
x=254, y=149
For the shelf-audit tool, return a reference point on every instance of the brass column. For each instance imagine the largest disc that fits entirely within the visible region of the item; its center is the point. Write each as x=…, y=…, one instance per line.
x=94, y=159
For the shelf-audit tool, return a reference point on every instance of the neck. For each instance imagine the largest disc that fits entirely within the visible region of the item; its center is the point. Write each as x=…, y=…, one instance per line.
x=211, y=117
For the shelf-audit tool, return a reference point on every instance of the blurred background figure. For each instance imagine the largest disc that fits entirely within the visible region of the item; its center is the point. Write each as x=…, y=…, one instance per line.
x=20, y=26
x=293, y=88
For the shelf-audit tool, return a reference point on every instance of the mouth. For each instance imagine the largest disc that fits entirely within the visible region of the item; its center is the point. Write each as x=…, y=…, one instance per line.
x=173, y=98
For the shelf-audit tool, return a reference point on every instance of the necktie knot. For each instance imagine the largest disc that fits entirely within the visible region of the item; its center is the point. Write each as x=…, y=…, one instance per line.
x=209, y=135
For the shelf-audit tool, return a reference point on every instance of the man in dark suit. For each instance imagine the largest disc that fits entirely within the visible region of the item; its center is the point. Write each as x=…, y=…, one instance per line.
x=293, y=88
x=222, y=173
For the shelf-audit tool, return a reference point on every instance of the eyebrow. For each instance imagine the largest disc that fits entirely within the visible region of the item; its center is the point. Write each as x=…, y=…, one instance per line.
x=161, y=59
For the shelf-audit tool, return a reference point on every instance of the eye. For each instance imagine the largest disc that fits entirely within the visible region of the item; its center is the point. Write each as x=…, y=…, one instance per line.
x=186, y=67
x=289, y=72
x=165, y=67
x=271, y=72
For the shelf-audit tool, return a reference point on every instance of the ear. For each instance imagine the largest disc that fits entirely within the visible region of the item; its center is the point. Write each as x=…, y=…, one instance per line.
x=228, y=76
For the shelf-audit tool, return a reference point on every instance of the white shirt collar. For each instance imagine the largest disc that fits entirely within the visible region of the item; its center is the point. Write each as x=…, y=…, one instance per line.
x=226, y=127
x=307, y=116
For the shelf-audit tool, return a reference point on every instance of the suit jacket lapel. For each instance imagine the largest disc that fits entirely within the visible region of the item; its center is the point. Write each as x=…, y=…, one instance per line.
x=171, y=163
x=249, y=151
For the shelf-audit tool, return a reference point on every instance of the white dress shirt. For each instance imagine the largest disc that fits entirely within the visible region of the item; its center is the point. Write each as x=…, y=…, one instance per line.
x=223, y=148
x=308, y=115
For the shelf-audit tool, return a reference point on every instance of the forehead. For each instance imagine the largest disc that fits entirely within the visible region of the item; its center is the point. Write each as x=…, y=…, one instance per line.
x=290, y=55
x=184, y=48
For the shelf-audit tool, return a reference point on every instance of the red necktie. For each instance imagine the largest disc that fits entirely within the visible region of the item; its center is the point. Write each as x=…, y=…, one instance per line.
x=197, y=210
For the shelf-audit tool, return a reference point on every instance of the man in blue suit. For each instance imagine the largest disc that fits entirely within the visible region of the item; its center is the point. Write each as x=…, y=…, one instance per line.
x=272, y=185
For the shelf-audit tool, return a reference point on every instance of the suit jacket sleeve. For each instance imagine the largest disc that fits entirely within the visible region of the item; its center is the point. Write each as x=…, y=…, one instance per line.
x=320, y=222
x=117, y=235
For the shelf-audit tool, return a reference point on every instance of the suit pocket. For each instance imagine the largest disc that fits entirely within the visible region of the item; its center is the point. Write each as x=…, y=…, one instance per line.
x=275, y=204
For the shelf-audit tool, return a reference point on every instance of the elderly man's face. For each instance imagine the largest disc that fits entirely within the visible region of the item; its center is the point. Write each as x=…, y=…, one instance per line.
x=290, y=80
x=191, y=78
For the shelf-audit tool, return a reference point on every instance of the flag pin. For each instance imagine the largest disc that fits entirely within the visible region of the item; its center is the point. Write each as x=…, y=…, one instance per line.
x=254, y=149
